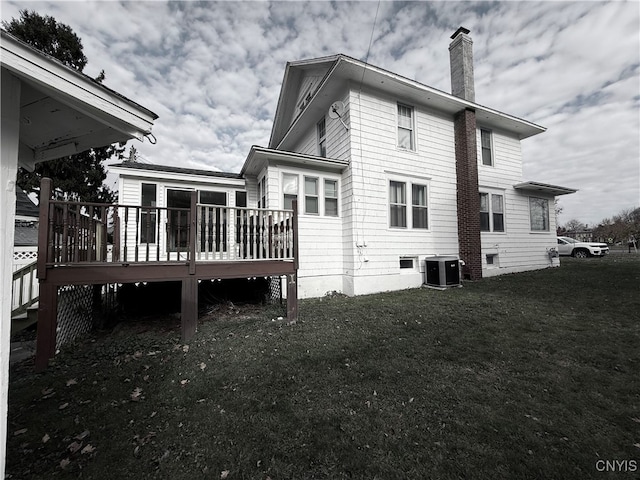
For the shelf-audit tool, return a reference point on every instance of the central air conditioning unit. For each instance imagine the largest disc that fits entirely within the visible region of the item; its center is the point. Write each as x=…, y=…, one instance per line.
x=442, y=271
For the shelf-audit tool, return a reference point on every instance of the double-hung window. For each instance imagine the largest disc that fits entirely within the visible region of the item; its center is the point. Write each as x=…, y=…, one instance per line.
x=419, y=211
x=322, y=138
x=491, y=212
x=289, y=189
x=311, y=196
x=148, y=214
x=397, y=204
x=262, y=192
x=486, y=147
x=331, y=198
x=406, y=138
x=539, y=214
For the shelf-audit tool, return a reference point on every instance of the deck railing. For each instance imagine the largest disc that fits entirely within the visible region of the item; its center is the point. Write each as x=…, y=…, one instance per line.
x=24, y=289
x=80, y=232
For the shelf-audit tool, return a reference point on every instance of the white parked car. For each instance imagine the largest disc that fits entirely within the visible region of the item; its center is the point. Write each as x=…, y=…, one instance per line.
x=574, y=248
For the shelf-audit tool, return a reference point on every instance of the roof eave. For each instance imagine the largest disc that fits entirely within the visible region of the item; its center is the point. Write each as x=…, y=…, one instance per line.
x=75, y=88
x=538, y=187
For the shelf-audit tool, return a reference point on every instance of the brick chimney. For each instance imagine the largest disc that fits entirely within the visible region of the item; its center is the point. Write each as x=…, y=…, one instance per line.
x=461, y=59
x=464, y=125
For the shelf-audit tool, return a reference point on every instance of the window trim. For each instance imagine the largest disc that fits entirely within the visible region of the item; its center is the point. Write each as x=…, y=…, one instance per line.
x=490, y=148
x=325, y=197
x=321, y=178
x=401, y=205
x=491, y=213
x=285, y=195
x=403, y=264
x=424, y=207
x=547, y=216
x=307, y=196
x=409, y=181
x=411, y=129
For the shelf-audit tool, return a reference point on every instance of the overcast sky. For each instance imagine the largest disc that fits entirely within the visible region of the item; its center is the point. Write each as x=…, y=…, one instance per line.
x=212, y=72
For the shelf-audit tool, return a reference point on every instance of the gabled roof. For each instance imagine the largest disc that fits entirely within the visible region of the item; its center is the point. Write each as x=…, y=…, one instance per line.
x=342, y=69
x=63, y=111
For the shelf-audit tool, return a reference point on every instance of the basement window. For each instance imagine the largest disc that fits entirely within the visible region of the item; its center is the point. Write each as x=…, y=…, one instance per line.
x=407, y=263
x=492, y=260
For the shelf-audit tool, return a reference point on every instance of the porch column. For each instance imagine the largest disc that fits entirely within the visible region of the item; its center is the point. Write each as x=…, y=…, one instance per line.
x=189, y=310
x=10, y=140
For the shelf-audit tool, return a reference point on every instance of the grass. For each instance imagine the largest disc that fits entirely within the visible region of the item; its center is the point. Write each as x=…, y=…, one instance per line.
x=532, y=375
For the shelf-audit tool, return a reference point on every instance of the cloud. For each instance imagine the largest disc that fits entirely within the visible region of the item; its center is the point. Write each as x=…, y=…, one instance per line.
x=212, y=72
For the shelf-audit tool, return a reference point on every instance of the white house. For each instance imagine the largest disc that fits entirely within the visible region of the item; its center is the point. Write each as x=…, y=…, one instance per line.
x=388, y=172
x=49, y=111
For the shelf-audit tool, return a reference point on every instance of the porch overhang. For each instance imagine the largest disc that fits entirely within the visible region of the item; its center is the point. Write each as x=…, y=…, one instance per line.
x=537, y=187
x=63, y=111
x=260, y=157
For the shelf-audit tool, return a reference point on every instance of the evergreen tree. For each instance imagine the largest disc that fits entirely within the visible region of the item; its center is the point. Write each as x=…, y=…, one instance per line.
x=78, y=177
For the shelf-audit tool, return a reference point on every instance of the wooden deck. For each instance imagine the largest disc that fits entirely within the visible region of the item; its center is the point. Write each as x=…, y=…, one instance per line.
x=97, y=244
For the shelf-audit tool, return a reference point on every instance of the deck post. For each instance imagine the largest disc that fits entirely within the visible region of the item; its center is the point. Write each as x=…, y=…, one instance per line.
x=292, y=297
x=43, y=229
x=292, y=279
x=193, y=222
x=189, y=310
x=47, y=322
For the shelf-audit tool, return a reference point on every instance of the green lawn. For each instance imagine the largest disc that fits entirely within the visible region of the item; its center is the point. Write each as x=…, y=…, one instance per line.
x=533, y=375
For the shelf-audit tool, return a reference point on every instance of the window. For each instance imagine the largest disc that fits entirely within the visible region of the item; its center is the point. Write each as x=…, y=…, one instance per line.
x=491, y=214
x=213, y=198
x=492, y=260
x=539, y=214
x=241, y=198
x=262, y=192
x=289, y=189
x=148, y=216
x=497, y=210
x=419, y=206
x=406, y=263
x=322, y=138
x=405, y=127
x=397, y=205
x=331, y=198
x=311, y=195
x=485, y=142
